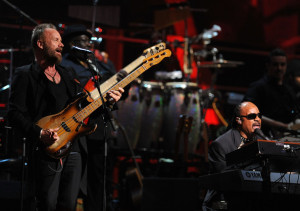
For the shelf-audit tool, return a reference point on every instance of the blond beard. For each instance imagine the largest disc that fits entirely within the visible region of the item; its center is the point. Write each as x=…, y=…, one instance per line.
x=51, y=57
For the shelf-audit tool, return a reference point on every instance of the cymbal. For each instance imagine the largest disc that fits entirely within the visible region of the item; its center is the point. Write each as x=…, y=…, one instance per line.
x=219, y=64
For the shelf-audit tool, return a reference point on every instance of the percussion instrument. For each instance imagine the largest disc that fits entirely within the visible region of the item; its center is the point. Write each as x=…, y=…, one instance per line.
x=129, y=115
x=182, y=98
x=152, y=114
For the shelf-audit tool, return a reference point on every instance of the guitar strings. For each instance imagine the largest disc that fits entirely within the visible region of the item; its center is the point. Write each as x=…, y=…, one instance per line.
x=136, y=73
x=71, y=122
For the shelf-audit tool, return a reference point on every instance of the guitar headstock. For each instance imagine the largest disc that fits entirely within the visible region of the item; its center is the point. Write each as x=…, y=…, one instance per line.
x=156, y=58
x=154, y=49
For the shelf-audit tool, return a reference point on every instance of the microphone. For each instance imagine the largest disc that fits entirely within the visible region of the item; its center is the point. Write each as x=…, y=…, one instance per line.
x=261, y=134
x=82, y=50
x=93, y=66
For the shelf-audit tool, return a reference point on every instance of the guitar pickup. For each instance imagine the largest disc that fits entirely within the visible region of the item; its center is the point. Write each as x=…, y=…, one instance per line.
x=65, y=127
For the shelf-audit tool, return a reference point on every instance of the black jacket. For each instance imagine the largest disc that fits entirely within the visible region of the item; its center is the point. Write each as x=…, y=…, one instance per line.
x=31, y=99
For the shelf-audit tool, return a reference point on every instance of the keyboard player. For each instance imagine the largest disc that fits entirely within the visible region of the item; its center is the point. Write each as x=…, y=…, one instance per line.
x=246, y=118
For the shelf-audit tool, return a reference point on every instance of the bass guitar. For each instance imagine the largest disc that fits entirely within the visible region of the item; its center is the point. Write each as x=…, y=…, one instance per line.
x=70, y=120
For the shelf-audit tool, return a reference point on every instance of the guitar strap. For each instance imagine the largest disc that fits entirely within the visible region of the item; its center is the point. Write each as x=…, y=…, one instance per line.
x=72, y=73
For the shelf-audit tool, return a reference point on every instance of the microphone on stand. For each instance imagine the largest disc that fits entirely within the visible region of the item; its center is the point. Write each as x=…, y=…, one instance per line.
x=261, y=134
x=91, y=65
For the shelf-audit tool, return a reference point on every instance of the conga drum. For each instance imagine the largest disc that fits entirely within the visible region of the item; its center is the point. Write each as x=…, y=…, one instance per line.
x=182, y=98
x=129, y=116
x=152, y=114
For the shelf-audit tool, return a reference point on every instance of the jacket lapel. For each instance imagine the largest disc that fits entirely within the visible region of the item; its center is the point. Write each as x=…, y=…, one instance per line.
x=236, y=137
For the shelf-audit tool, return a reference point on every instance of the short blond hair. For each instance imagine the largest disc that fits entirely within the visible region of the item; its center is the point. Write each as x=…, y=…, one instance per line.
x=38, y=31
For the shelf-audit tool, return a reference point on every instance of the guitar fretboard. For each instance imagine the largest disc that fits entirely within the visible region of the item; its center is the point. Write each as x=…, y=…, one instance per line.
x=153, y=60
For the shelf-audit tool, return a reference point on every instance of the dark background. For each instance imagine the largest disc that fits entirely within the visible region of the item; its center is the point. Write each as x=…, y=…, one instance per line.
x=249, y=30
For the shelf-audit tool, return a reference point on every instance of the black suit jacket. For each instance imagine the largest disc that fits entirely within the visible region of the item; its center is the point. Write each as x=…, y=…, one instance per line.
x=31, y=99
x=223, y=145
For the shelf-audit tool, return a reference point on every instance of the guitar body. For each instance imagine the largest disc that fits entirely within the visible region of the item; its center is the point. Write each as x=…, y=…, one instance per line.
x=69, y=129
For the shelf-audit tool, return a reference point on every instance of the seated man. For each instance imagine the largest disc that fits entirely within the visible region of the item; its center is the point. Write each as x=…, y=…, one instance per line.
x=246, y=118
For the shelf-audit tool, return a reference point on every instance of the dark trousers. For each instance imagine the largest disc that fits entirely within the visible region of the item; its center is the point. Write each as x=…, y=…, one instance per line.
x=96, y=165
x=58, y=182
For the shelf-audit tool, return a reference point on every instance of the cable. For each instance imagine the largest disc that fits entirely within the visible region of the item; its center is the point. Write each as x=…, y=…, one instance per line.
x=218, y=113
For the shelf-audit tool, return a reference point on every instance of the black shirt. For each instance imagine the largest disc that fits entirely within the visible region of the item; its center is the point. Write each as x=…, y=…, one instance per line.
x=61, y=101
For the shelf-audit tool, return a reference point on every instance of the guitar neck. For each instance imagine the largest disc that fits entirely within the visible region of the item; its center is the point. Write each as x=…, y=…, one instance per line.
x=133, y=65
x=113, y=80
x=85, y=112
x=129, y=68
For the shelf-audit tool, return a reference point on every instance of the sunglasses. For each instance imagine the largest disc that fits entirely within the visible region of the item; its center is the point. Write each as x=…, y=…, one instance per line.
x=252, y=116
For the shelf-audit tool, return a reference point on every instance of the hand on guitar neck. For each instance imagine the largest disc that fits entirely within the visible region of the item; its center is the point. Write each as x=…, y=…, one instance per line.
x=115, y=95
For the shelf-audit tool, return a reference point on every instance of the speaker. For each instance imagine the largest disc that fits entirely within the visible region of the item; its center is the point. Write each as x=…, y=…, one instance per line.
x=171, y=194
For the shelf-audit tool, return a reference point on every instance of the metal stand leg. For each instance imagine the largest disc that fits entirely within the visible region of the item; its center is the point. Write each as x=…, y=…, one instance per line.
x=24, y=163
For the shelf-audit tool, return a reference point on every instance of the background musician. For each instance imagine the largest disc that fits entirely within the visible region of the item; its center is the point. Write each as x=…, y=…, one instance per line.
x=275, y=98
x=92, y=186
x=40, y=89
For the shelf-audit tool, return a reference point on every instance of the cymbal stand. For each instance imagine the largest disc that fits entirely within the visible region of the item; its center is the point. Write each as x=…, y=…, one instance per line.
x=208, y=99
x=206, y=37
x=20, y=12
x=94, y=15
x=188, y=53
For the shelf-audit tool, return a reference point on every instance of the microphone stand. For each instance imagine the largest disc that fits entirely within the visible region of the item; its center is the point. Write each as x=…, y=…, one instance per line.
x=106, y=118
x=23, y=174
x=106, y=112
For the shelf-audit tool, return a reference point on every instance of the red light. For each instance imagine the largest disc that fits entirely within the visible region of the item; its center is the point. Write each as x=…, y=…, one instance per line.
x=62, y=25
x=98, y=29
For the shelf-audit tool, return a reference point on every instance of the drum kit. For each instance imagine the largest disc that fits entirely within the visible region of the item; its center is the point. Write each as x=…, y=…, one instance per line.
x=151, y=113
